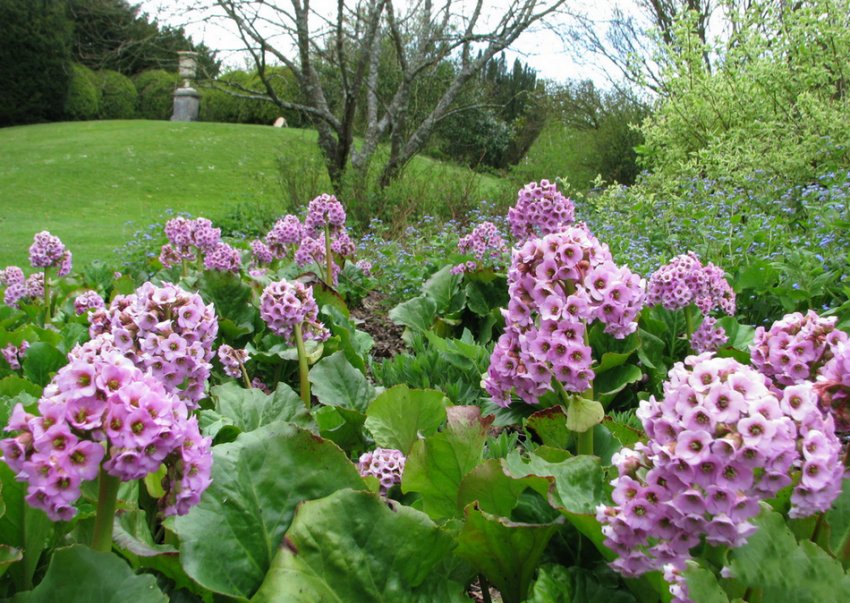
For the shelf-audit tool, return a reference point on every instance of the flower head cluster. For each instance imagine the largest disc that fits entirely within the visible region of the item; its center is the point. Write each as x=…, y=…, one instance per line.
x=540, y=210
x=261, y=254
x=709, y=337
x=720, y=441
x=386, y=464
x=833, y=386
x=11, y=275
x=684, y=280
x=104, y=409
x=559, y=284
x=13, y=354
x=795, y=347
x=30, y=289
x=223, y=257
x=165, y=330
x=286, y=231
x=87, y=301
x=186, y=237
x=285, y=304
x=365, y=266
x=324, y=211
x=47, y=251
x=484, y=243
x=232, y=360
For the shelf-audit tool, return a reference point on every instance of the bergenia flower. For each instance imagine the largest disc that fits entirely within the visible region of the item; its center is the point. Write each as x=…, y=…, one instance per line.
x=386, y=464
x=540, y=210
x=285, y=304
x=720, y=441
x=101, y=409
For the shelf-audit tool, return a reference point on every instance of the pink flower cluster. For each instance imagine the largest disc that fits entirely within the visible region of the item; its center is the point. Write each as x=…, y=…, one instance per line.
x=288, y=232
x=47, y=251
x=87, y=301
x=164, y=330
x=13, y=354
x=485, y=244
x=285, y=304
x=324, y=211
x=223, y=257
x=559, y=284
x=188, y=238
x=30, y=289
x=386, y=464
x=795, y=347
x=719, y=442
x=684, y=280
x=232, y=360
x=708, y=337
x=104, y=409
x=833, y=386
x=540, y=210
x=11, y=275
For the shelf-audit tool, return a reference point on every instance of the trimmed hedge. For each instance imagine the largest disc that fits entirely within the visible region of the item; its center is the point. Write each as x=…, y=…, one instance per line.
x=118, y=95
x=156, y=89
x=83, y=100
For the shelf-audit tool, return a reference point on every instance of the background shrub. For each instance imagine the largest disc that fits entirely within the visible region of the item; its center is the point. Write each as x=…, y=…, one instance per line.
x=35, y=51
x=155, y=89
x=83, y=100
x=117, y=95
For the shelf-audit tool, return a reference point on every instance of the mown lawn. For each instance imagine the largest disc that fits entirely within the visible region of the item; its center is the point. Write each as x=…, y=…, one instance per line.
x=94, y=184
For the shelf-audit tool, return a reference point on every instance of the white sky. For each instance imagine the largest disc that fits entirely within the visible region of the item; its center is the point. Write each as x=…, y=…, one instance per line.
x=541, y=47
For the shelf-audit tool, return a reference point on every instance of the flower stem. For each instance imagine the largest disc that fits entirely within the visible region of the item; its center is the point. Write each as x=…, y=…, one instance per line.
x=585, y=441
x=106, y=501
x=46, y=296
x=329, y=258
x=245, y=378
x=302, y=365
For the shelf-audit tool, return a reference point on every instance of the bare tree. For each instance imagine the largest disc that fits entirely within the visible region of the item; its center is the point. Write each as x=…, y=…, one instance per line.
x=335, y=55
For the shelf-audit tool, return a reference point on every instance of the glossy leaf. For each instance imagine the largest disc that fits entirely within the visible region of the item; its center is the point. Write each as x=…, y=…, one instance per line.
x=351, y=546
x=78, y=573
x=40, y=361
x=337, y=383
x=250, y=409
x=583, y=414
x=400, y=416
x=227, y=542
x=506, y=552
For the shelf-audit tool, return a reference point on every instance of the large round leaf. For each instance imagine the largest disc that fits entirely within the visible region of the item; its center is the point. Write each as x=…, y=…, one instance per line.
x=351, y=546
x=77, y=574
x=228, y=541
x=400, y=416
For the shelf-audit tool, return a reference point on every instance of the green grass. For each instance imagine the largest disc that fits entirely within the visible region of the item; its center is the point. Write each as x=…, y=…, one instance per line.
x=94, y=184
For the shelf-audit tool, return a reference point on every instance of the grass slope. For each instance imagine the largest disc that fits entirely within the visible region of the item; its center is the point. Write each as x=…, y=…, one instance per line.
x=94, y=184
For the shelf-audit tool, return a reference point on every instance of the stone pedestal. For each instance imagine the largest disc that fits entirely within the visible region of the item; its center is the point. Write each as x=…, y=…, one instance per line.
x=187, y=103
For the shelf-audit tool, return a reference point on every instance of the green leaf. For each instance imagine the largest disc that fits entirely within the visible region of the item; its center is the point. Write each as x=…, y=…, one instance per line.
x=12, y=385
x=230, y=296
x=583, y=414
x=838, y=520
x=337, y=383
x=758, y=275
x=227, y=541
x=494, y=490
x=444, y=288
x=703, y=586
x=355, y=344
x=400, y=416
x=559, y=584
x=417, y=314
x=250, y=409
x=22, y=527
x=506, y=552
x=351, y=546
x=41, y=360
x=550, y=425
x=78, y=573
x=437, y=464
x=740, y=335
x=343, y=426
x=613, y=381
x=8, y=556
x=785, y=570
x=553, y=585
